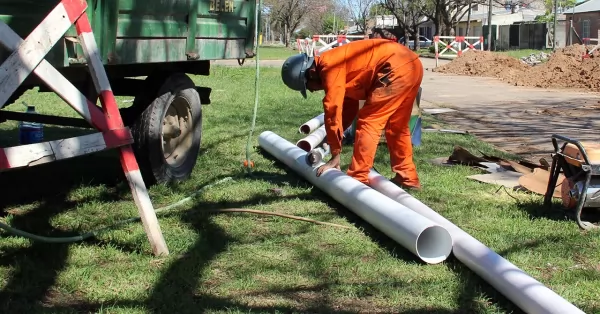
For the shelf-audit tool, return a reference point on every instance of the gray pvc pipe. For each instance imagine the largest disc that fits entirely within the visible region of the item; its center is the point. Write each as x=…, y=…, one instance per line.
x=427, y=240
x=527, y=293
x=312, y=124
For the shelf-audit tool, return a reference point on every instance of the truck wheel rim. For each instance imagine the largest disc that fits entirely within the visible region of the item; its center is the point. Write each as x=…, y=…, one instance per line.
x=176, y=131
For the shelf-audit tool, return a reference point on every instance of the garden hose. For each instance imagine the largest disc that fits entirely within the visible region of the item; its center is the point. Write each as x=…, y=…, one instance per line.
x=91, y=234
x=248, y=163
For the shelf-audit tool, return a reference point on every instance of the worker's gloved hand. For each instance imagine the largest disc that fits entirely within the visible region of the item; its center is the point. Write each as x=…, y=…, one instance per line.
x=334, y=162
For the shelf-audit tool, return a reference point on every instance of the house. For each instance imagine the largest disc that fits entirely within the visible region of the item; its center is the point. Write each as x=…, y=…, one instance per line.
x=500, y=16
x=586, y=21
x=382, y=21
x=390, y=22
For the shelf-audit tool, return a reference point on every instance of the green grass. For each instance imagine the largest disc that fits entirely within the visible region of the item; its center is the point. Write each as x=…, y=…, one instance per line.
x=237, y=263
x=522, y=52
x=275, y=52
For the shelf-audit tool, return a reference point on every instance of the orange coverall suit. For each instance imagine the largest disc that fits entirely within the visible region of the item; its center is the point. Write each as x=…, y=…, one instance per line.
x=385, y=74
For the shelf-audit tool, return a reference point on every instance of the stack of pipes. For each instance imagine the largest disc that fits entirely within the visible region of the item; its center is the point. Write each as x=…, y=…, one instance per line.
x=411, y=223
x=315, y=129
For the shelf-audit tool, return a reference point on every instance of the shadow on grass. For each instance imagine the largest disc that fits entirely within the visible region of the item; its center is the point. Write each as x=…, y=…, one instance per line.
x=46, y=187
x=557, y=212
x=57, y=179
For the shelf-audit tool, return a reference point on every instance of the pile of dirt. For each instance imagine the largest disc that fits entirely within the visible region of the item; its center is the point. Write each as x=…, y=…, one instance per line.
x=563, y=69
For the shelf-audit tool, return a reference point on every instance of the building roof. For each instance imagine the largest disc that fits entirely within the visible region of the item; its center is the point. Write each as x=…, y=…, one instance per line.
x=523, y=15
x=588, y=6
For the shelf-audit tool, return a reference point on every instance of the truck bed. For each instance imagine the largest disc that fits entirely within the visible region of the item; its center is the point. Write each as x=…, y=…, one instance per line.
x=146, y=31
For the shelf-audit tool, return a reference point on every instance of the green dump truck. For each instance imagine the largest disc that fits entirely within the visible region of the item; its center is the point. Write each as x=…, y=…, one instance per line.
x=148, y=47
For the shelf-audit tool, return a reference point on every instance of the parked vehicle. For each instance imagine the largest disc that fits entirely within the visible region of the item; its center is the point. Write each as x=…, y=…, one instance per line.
x=424, y=42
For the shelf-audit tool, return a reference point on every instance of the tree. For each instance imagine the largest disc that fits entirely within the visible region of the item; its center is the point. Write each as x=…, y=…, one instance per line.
x=549, y=6
x=445, y=14
x=409, y=15
x=360, y=12
x=379, y=9
x=289, y=13
x=514, y=5
x=326, y=18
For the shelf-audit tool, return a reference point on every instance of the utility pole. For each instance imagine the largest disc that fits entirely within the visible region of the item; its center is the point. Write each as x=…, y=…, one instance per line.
x=489, y=35
x=554, y=26
x=571, y=25
x=469, y=18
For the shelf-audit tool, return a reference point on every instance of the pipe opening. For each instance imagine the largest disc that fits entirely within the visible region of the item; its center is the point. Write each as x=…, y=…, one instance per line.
x=434, y=244
x=304, y=145
x=305, y=129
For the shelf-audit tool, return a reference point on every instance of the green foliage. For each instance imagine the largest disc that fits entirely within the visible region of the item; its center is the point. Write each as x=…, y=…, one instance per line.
x=303, y=33
x=379, y=9
x=432, y=47
x=549, y=5
x=330, y=20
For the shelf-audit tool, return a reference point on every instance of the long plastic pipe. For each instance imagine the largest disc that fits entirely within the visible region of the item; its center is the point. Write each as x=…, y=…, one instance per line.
x=313, y=139
x=527, y=293
x=312, y=124
x=427, y=240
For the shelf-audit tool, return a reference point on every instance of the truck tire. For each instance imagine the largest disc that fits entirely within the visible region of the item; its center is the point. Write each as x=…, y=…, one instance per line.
x=168, y=133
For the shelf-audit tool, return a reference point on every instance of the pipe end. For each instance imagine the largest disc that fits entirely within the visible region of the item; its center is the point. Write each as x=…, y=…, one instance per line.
x=434, y=244
x=304, y=145
x=305, y=129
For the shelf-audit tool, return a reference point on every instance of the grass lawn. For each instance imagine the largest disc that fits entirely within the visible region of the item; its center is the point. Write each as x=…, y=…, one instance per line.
x=237, y=263
x=523, y=52
x=275, y=52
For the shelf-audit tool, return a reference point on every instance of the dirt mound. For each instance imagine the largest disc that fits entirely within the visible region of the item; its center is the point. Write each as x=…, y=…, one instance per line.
x=564, y=69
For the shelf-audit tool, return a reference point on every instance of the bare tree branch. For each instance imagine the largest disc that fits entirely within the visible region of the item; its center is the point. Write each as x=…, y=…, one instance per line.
x=360, y=12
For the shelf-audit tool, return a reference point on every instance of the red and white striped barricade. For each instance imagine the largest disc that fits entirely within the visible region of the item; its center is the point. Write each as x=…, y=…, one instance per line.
x=321, y=43
x=589, y=42
x=455, y=41
x=304, y=45
x=28, y=56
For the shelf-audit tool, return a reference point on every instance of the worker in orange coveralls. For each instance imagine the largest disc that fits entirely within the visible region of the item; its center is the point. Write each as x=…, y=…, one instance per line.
x=385, y=74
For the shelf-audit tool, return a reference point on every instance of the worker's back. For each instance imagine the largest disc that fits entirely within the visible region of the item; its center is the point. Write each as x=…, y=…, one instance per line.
x=362, y=60
x=369, y=54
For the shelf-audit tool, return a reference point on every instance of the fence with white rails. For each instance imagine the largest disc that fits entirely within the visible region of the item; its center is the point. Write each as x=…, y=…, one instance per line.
x=456, y=45
x=320, y=43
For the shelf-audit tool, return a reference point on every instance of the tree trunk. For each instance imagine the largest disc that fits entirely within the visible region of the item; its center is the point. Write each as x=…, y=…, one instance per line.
x=448, y=28
x=405, y=30
x=469, y=18
x=417, y=41
x=286, y=36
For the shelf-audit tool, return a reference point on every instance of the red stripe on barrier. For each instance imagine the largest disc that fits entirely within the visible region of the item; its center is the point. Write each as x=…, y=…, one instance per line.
x=98, y=118
x=74, y=8
x=4, y=164
x=128, y=159
x=83, y=25
x=117, y=137
x=111, y=110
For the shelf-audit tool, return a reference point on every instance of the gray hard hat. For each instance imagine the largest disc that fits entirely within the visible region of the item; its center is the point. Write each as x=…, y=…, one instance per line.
x=293, y=72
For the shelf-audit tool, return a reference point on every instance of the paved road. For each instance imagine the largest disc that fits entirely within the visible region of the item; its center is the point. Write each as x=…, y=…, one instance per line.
x=517, y=119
